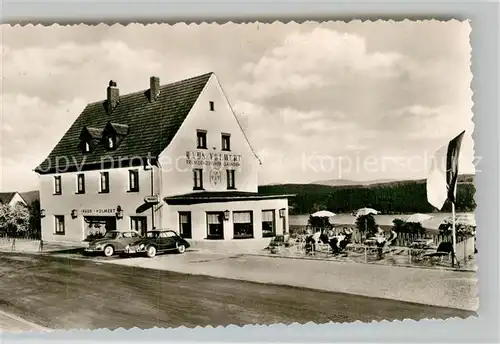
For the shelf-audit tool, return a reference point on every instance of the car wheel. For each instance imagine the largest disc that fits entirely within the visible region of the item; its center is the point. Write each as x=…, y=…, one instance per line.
x=181, y=248
x=109, y=251
x=151, y=251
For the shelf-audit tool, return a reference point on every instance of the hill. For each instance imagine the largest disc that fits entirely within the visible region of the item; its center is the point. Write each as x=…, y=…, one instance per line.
x=390, y=197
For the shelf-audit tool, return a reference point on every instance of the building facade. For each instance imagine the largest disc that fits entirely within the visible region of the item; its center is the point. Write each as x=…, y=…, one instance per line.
x=172, y=156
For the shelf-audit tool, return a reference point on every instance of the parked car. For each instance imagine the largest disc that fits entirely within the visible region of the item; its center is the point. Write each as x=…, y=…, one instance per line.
x=113, y=242
x=158, y=241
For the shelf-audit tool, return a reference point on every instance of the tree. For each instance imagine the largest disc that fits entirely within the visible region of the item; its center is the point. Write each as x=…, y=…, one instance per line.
x=317, y=223
x=414, y=228
x=14, y=221
x=366, y=224
x=35, y=218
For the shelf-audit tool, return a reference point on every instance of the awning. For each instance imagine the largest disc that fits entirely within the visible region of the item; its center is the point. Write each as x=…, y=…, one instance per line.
x=213, y=197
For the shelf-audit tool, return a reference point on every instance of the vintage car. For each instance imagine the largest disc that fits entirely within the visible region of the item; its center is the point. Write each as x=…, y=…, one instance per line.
x=158, y=241
x=113, y=242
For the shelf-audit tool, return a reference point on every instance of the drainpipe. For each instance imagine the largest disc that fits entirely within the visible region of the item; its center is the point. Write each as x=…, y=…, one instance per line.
x=150, y=167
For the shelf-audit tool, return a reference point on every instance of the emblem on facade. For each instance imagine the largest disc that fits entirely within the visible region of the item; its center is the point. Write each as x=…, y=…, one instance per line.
x=215, y=176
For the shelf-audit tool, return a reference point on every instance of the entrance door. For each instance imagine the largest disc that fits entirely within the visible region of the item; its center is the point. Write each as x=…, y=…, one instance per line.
x=185, y=227
x=215, y=225
x=139, y=224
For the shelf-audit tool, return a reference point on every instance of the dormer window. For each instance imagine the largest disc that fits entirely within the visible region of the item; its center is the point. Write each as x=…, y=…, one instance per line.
x=114, y=134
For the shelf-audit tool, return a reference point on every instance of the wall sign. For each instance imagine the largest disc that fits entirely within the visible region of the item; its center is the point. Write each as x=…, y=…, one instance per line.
x=102, y=211
x=213, y=159
x=152, y=199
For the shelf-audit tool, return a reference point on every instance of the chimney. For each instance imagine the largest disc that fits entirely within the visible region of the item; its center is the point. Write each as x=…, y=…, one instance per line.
x=154, y=88
x=113, y=96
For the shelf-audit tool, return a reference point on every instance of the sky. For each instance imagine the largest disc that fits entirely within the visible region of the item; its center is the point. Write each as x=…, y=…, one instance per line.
x=318, y=101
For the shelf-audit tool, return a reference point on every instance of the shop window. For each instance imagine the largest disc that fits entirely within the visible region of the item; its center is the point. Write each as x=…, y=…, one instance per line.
x=185, y=228
x=198, y=179
x=104, y=182
x=59, y=225
x=226, y=142
x=133, y=180
x=80, y=181
x=230, y=179
x=215, y=226
x=268, y=223
x=57, y=185
x=201, y=137
x=243, y=224
x=139, y=224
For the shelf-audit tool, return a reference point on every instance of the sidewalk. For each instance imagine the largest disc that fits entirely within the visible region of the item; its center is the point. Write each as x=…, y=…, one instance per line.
x=12, y=323
x=433, y=287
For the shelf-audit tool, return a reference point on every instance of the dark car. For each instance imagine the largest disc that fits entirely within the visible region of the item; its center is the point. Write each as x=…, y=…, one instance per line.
x=113, y=242
x=158, y=241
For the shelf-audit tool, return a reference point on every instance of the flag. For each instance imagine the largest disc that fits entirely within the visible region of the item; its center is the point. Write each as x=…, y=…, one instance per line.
x=443, y=175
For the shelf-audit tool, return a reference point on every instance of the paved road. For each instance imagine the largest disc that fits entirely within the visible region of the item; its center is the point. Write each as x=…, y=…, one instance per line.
x=63, y=293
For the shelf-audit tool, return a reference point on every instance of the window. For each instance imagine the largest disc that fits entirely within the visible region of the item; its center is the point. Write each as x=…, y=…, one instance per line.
x=80, y=181
x=198, y=179
x=139, y=224
x=230, y=179
x=201, y=137
x=215, y=228
x=57, y=185
x=226, y=142
x=111, y=142
x=104, y=183
x=59, y=225
x=130, y=235
x=185, y=224
x=243, y=224
x=268, y=223
x=212, y=105
x=133, y=180
x=86, y=147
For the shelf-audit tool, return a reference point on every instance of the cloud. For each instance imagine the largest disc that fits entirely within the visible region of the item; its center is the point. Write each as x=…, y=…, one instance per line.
x=31, y=127
x=306, y=60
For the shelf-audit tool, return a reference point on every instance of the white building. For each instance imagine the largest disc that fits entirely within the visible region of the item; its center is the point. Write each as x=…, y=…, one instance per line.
x=172, y=156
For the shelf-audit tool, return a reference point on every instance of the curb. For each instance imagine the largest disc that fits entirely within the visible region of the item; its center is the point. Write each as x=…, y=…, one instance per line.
x=35, y=327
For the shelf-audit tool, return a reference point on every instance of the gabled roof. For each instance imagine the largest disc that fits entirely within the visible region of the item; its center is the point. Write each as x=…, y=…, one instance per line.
x=120, y=129
x=6, y=197
x=151, y=125
x=91, y=132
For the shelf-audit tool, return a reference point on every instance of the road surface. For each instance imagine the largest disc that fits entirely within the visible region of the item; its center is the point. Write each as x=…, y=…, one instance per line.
x=61, y=293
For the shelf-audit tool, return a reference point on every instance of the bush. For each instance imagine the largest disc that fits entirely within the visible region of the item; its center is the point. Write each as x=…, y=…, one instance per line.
x=401, y=226
x=14, y=221
x=366, y=224
x=461, y=229
x=94, y=236
x=318, y=223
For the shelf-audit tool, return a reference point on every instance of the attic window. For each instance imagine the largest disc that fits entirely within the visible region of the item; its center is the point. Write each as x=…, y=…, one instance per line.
x=86, y=147
x=111, y=142
x=212, y=105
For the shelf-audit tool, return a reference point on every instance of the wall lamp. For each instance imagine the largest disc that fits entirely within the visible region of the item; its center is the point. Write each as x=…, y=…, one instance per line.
x=74, y=214
x=42, y=212
x=282, y=212
x=226, y=215
x=119, y=212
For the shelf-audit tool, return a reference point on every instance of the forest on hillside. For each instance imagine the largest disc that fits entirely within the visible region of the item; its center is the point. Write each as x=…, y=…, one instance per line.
x=388, y=198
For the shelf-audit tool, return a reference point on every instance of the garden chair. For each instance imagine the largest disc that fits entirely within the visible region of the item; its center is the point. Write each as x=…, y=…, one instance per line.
x=444, y=249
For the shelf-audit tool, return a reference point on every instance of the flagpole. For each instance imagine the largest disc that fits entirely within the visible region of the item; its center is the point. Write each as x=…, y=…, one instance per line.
x=454, y=237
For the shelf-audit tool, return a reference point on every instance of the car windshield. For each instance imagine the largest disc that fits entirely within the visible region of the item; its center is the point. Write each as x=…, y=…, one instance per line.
x=152, y=234
x=111, y=235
